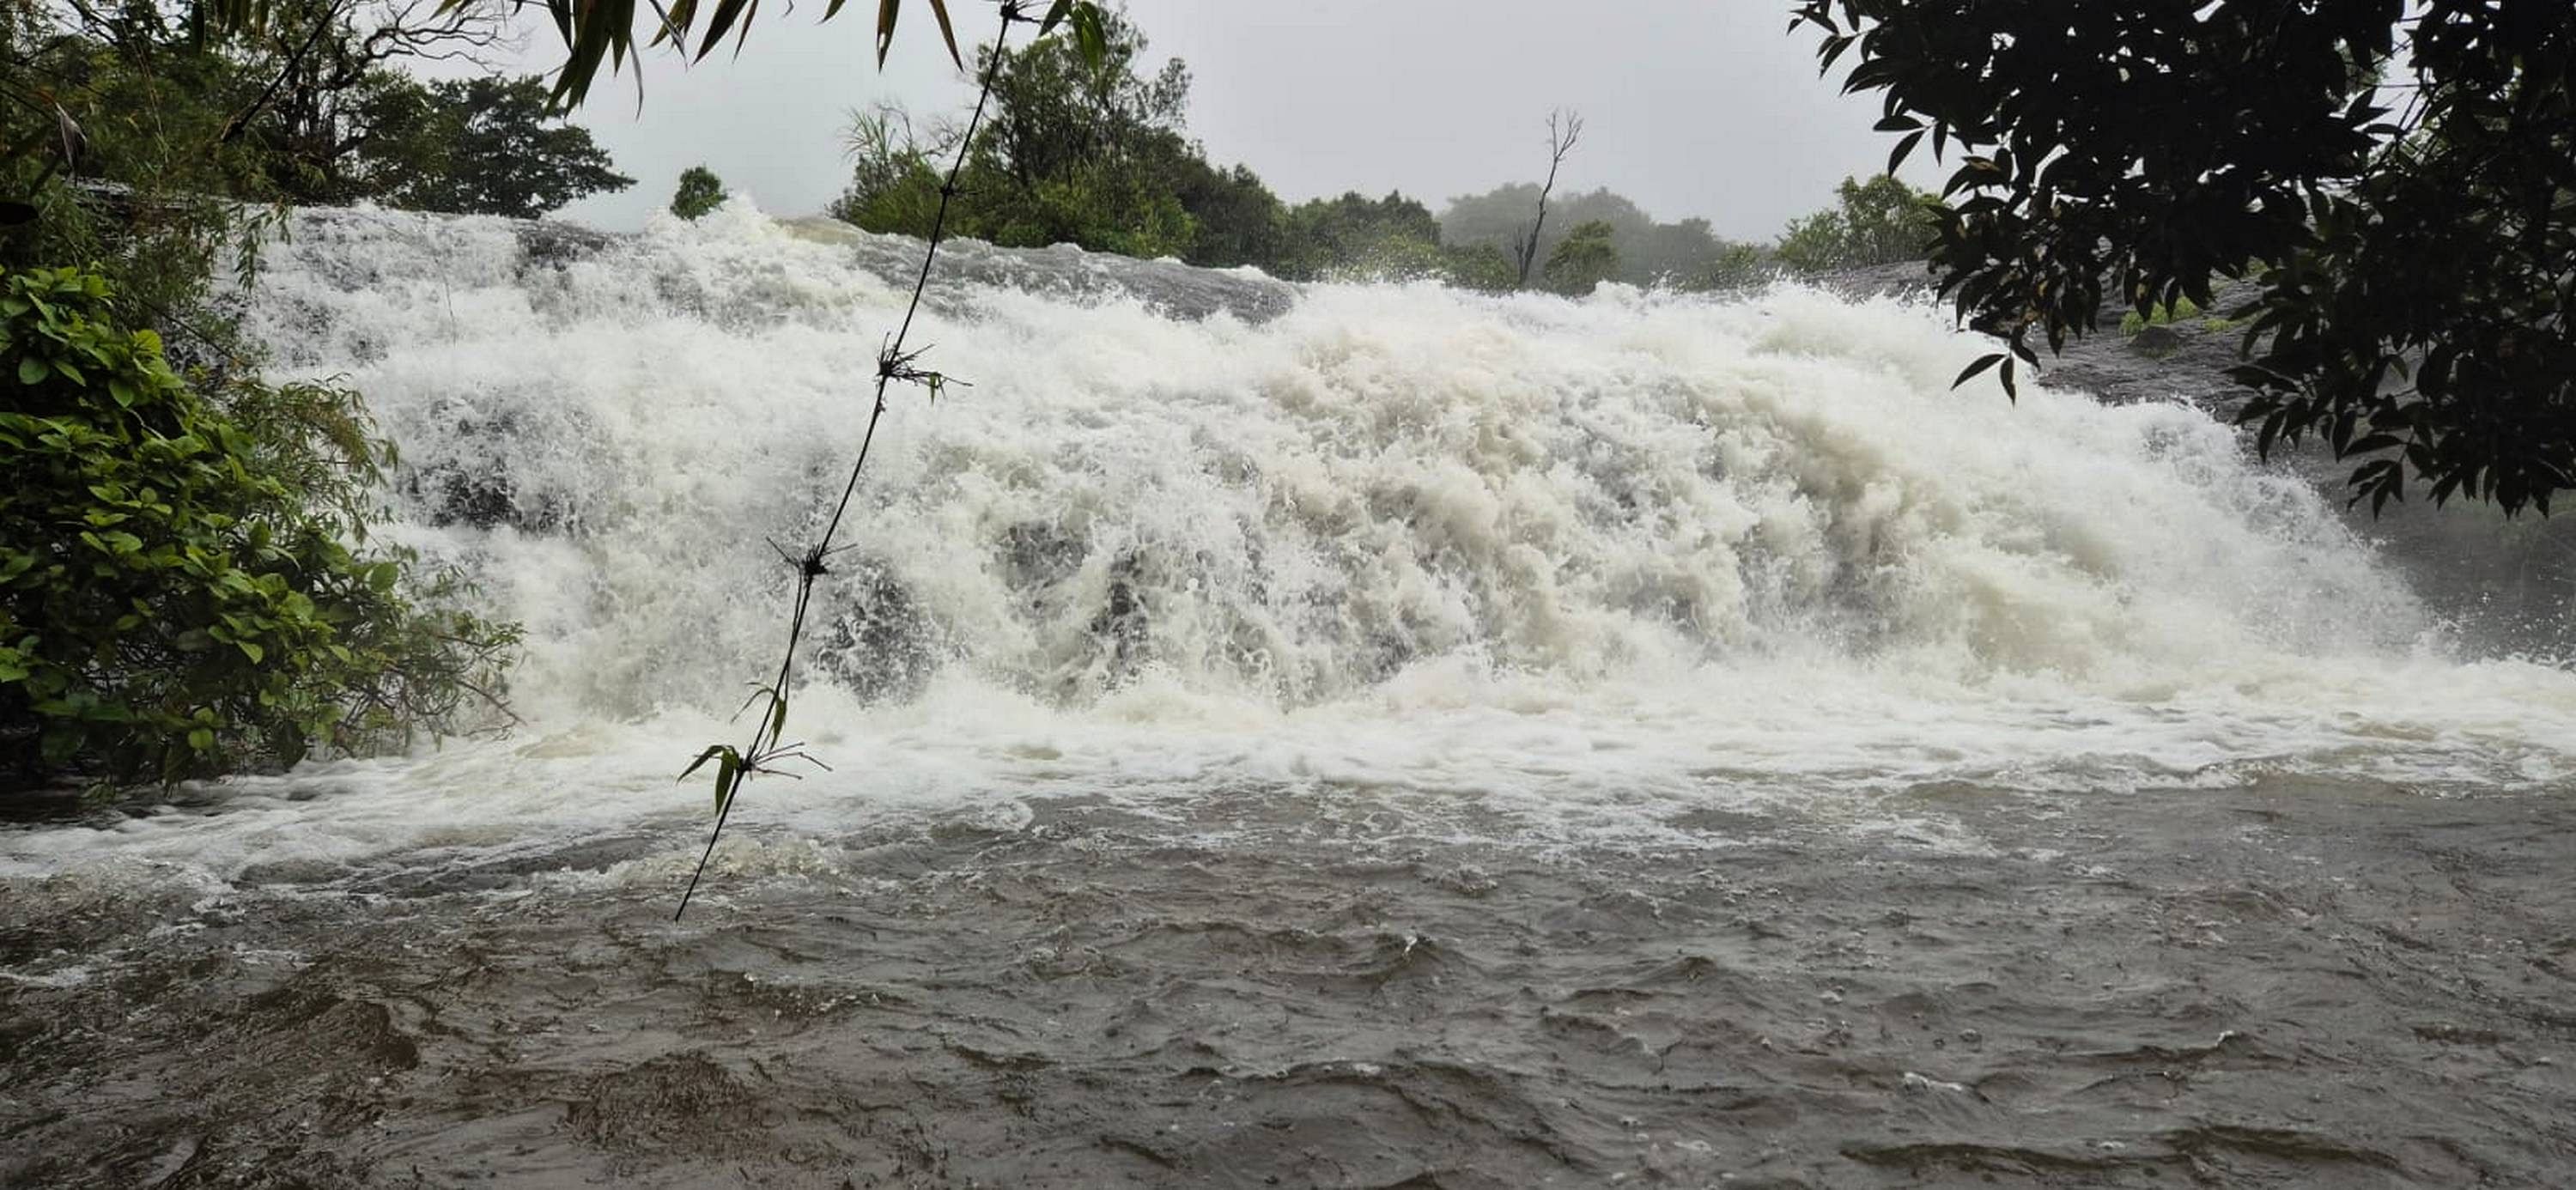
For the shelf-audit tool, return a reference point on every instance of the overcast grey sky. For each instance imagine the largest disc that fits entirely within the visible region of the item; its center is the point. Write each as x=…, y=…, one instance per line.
x=1691, y=107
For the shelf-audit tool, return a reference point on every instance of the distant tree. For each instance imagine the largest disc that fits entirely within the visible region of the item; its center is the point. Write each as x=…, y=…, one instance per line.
x=2397, y=178
x=1481, y=267
x=1582, y=261
x=487, y=146
x=1354, y=235
x=1880, y=221
x=893, y=185
x=700, y=191
x=1736, y=266
x=1563, y=129
x=1078, y=148
x=1677, y=253
x=1239, y=220
x=321, y=86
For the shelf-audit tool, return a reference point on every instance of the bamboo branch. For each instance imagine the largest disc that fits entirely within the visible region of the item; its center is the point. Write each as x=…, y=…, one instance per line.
x=893, y=363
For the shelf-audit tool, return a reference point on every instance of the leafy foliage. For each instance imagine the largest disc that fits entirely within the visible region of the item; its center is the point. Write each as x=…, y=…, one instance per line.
x=596, y=35
x=1353, y=236
x=699, y=192
x=175, y=596
x=2414, y=240
x=485, y=146
x=1582, y=260
x=1880, y=221
x=1735, y=266
x=186, y=587
x=112, y=152
x=1079, y=150
x=137, y=142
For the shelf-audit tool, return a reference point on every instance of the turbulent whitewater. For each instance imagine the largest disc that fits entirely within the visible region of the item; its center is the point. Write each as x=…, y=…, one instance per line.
x=1573, y=556
x=1217, y=570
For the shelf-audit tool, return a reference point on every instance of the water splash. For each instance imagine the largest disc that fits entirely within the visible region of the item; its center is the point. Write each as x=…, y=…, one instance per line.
x=1190, y=527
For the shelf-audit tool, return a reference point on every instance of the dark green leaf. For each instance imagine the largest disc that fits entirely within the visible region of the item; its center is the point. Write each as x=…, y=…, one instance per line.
x=1982, y=363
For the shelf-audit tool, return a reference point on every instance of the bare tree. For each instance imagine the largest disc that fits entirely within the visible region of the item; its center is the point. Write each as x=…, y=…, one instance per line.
x=1564, y=127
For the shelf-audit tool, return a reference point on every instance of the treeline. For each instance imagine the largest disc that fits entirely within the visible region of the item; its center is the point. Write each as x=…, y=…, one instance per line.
x=1095, y=154
x=317, y=108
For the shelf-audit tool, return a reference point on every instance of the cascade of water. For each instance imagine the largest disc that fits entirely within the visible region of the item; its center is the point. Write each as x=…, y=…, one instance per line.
x=1198, y=526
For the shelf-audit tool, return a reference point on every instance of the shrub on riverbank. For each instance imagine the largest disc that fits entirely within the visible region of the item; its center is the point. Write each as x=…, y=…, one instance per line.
x=179, y=592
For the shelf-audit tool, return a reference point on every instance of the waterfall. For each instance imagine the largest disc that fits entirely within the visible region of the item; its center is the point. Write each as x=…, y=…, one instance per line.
x=1191, y=528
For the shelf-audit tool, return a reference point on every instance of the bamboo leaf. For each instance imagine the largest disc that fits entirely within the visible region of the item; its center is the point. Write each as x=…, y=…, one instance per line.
x=728, y=774
x=727, y=12
x=1088, y=34
x=703, y=757
x=939, y=9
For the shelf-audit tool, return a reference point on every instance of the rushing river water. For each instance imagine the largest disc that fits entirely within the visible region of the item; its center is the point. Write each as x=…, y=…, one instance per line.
x=1355, y=736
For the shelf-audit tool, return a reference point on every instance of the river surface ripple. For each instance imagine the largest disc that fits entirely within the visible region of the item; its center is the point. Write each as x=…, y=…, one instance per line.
x=2291, y=983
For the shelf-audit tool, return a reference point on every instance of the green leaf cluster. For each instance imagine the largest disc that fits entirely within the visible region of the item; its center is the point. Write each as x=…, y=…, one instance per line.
x=2399, y=178
x=176, y=598
x=700, y=191
x=484, y=145
x=159, y=151
x=1881, y=221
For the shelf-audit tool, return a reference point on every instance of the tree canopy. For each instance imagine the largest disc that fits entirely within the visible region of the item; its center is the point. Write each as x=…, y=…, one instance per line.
x=2396, y=177
x=492, y=146
x=699, y=192
x=312, y=106
x=1880, y=221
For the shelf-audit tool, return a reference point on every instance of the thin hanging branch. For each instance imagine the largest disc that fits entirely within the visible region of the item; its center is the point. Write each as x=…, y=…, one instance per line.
x=769, y=747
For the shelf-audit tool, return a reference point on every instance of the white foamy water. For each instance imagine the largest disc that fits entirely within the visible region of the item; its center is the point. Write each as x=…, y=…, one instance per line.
x=1571, y=566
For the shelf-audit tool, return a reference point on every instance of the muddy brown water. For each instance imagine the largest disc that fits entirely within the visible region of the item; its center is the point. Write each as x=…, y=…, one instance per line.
x=2287, y=984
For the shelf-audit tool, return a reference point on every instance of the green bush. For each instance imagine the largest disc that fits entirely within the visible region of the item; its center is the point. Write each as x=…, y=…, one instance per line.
x=1881, y=221
x=1736, y=266
x=1481, y=267
x=1582, y=260
x=2160, y=314
x=175, y=596
x=700, y=192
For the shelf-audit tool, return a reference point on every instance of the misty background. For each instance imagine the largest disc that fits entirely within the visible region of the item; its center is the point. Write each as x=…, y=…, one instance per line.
x=1690, y=108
